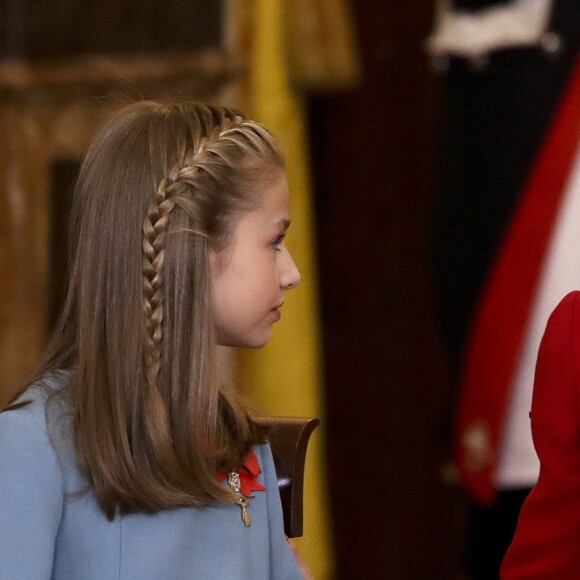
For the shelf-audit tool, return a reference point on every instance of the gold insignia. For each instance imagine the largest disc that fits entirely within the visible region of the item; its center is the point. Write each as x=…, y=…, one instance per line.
x=476, y=444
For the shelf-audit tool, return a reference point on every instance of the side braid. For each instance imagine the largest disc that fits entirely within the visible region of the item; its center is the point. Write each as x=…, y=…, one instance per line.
x=206, y=157
x=154, y=228
x=153, y=245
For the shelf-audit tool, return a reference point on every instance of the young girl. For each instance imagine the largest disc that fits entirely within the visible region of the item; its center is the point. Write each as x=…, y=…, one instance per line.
x=125, y=458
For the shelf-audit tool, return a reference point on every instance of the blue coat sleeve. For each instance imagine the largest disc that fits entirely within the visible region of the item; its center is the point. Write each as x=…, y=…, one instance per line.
x=283, y=562
x=31, y=496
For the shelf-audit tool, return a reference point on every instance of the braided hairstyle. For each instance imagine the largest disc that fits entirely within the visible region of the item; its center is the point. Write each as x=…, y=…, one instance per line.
x=162, y=185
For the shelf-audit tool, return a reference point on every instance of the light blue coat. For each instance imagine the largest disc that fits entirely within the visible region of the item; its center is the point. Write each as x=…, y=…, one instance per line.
x=45, y=533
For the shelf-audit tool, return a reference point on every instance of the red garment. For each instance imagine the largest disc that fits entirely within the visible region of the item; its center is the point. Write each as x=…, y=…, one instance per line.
x=546, y=544
x=506, y=305
x=248, y=475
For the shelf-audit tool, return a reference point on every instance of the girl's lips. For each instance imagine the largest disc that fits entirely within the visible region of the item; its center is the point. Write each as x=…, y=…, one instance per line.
x=277, y=313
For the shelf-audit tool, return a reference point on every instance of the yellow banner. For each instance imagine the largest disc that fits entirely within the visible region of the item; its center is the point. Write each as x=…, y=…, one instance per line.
x=284, y=378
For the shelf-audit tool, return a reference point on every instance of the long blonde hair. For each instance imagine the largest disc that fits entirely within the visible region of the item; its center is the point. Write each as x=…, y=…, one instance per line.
x=161, y=186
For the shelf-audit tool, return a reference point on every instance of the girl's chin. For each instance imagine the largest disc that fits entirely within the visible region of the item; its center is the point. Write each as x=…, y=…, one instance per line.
x=253, y=342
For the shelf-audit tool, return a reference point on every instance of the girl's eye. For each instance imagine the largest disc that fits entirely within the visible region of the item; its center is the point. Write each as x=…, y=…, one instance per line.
x=278, y=241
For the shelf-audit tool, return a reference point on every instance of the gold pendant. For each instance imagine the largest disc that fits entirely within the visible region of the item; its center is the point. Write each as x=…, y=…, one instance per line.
x=235, y=484
x=244, y=503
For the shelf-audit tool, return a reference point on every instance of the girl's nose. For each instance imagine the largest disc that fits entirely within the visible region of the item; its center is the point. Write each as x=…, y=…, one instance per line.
x=290, y=275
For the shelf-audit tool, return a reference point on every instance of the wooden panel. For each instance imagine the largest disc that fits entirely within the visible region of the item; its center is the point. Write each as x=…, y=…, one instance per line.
x=32, y=29
x=24, y=171
x=63, y=173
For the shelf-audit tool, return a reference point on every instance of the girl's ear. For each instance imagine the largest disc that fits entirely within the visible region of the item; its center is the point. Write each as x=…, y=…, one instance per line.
x=215, y=261
x=219, y=258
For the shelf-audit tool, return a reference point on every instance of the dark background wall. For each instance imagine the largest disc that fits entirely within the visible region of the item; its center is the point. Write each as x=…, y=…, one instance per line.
x=387, y=389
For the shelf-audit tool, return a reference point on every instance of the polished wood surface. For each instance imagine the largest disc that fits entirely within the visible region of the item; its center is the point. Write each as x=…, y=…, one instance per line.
x=289, y=437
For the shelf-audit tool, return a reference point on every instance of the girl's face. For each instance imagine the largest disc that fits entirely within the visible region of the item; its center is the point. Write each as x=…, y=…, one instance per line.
x=250, y=276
